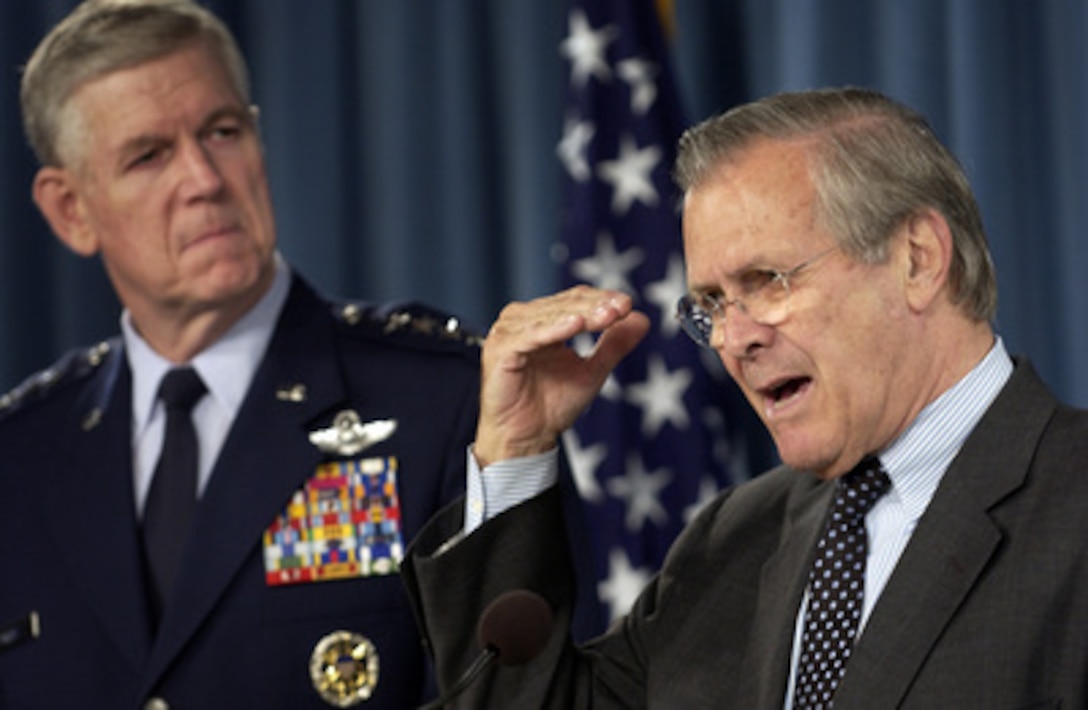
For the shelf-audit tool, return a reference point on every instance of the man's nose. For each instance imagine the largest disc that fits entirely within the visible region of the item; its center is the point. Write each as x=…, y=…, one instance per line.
x=735, y=333
x=202, y=174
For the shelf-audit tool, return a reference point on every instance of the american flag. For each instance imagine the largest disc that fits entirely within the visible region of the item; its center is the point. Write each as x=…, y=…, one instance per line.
x=658, y=442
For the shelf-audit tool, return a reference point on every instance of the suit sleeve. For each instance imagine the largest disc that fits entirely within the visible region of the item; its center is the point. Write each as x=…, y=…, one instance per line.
x=524, y=548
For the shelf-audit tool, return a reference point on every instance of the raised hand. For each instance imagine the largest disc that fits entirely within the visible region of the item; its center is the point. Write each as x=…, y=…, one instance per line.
x=534, y=385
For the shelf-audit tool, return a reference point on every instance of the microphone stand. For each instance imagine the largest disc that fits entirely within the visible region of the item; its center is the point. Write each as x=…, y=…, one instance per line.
x=513, y=629
x=478, y=666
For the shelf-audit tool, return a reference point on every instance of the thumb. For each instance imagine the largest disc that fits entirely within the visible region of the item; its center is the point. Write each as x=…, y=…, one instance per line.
x=617, y=341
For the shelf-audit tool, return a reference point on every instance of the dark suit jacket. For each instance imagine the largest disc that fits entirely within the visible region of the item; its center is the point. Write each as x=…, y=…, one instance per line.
x=987, y=608
x=69, y=541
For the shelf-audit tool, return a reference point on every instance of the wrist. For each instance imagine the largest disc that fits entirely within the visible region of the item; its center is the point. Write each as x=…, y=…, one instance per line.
x=489, y=450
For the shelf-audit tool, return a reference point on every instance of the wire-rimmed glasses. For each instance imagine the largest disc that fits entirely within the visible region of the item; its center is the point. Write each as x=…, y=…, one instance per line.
x=764, y=297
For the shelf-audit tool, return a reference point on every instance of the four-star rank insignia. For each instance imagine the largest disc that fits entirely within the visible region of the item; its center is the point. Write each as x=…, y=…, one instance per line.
x=343, y=523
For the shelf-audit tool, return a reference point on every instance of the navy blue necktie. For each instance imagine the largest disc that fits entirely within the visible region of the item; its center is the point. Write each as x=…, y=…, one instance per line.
x=837, y=587
x=172, y=498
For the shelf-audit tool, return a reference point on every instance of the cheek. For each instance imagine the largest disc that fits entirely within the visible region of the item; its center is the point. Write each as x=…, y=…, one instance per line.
x=861, y=367
x=259, y=207
x=130, y=204
x=131, y=233
x=110, y=223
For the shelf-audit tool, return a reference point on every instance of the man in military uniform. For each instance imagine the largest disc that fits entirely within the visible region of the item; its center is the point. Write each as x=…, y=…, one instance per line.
x=322, y=435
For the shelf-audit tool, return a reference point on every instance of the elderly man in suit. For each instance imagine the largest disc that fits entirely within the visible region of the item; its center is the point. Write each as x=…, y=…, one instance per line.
x=923, y=545
x=314, y=438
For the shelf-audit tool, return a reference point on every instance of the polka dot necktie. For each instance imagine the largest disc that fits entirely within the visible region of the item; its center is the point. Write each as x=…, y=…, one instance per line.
x=836, y=587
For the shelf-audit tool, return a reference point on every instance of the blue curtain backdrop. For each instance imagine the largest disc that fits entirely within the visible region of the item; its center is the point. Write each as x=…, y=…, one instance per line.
x=411, y=144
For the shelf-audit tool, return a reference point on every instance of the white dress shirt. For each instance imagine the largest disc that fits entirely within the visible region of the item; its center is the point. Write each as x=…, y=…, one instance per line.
x=226, y=367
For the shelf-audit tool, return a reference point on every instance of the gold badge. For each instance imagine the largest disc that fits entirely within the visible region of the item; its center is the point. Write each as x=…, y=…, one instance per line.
x=344, y=668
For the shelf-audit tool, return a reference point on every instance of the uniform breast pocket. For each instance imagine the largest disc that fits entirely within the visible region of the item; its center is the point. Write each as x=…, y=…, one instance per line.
x=337, y=598
x=332, y=639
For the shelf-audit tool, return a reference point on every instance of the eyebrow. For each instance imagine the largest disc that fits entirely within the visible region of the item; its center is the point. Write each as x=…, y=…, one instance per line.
x=136, y=145
x=242, y=113
x=145, y=141
x=752, y=266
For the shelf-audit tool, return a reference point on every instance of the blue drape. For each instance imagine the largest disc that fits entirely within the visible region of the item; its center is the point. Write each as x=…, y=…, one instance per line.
x=411, y=144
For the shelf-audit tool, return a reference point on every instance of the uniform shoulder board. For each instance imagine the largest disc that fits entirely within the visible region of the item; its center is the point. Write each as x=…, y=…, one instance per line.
x=409, y=318
x=72, y=366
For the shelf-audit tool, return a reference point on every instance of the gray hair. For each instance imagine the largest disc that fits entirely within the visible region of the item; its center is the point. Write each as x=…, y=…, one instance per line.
x=874, y=164
x=103, y=36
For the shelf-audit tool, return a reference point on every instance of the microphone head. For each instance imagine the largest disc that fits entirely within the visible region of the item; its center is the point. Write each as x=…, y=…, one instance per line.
x=516, y=625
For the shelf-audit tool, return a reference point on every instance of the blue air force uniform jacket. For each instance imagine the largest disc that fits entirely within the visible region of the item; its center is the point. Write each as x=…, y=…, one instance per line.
x=248, y=624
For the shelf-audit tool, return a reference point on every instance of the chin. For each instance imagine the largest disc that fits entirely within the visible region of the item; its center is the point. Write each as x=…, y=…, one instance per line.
x=800, y=455
x=238, y=275
x=240, y=288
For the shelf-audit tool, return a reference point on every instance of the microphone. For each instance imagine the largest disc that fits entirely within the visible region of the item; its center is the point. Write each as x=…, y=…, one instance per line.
x=512, y=631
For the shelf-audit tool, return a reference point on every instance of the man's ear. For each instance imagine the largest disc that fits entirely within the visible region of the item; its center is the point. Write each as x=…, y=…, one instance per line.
x=61, y=205
x=929, y=257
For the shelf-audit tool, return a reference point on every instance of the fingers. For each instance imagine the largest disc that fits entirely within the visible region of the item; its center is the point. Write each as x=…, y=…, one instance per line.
x=534, y=384
x=618, y=340
x=552, y=320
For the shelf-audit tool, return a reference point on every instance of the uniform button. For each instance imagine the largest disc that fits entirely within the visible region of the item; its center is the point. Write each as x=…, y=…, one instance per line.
x=156, y=704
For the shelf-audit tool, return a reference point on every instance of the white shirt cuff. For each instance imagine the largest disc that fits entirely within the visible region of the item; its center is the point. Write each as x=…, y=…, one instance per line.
x=504, y=484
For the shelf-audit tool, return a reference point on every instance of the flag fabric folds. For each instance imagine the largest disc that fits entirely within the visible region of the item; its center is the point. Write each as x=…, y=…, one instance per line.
x=656, y=444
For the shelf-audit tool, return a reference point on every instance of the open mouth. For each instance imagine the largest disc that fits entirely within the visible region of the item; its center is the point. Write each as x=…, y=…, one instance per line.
x=781, y=393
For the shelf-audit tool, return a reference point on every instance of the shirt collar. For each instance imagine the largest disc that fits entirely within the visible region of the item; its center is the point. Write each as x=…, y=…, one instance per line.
x=917, y=460
x=227, y=366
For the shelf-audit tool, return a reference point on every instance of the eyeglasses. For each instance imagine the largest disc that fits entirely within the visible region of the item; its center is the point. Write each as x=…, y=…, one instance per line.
x=764, y=297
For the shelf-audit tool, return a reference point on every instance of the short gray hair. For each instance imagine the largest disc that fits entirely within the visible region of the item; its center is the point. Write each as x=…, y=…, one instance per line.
x=874, y=164
x=103, y=36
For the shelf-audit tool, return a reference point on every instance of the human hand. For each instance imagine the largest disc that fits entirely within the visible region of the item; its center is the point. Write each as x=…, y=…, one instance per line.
x=534, y=385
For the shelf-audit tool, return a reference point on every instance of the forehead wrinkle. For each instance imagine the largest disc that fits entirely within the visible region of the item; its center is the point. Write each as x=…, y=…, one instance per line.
x=147, y=91
x=156, y=137
x=771, y=200
x=773, y=206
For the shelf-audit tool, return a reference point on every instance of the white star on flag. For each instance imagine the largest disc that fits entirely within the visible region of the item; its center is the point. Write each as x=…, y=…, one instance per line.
x=629, y=175
x=585, y=48
x=639, y=489
x=623, y=583
x=572, y=148
x=608, y=268
x=661, y=396
x=641, y=75
x=584, y=461
x=666, y=292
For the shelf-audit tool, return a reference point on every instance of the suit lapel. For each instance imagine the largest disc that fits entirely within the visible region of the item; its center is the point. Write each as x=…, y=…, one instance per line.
x=783, y=581
x=952, y=544
x=92, y=512
x=266, y=457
